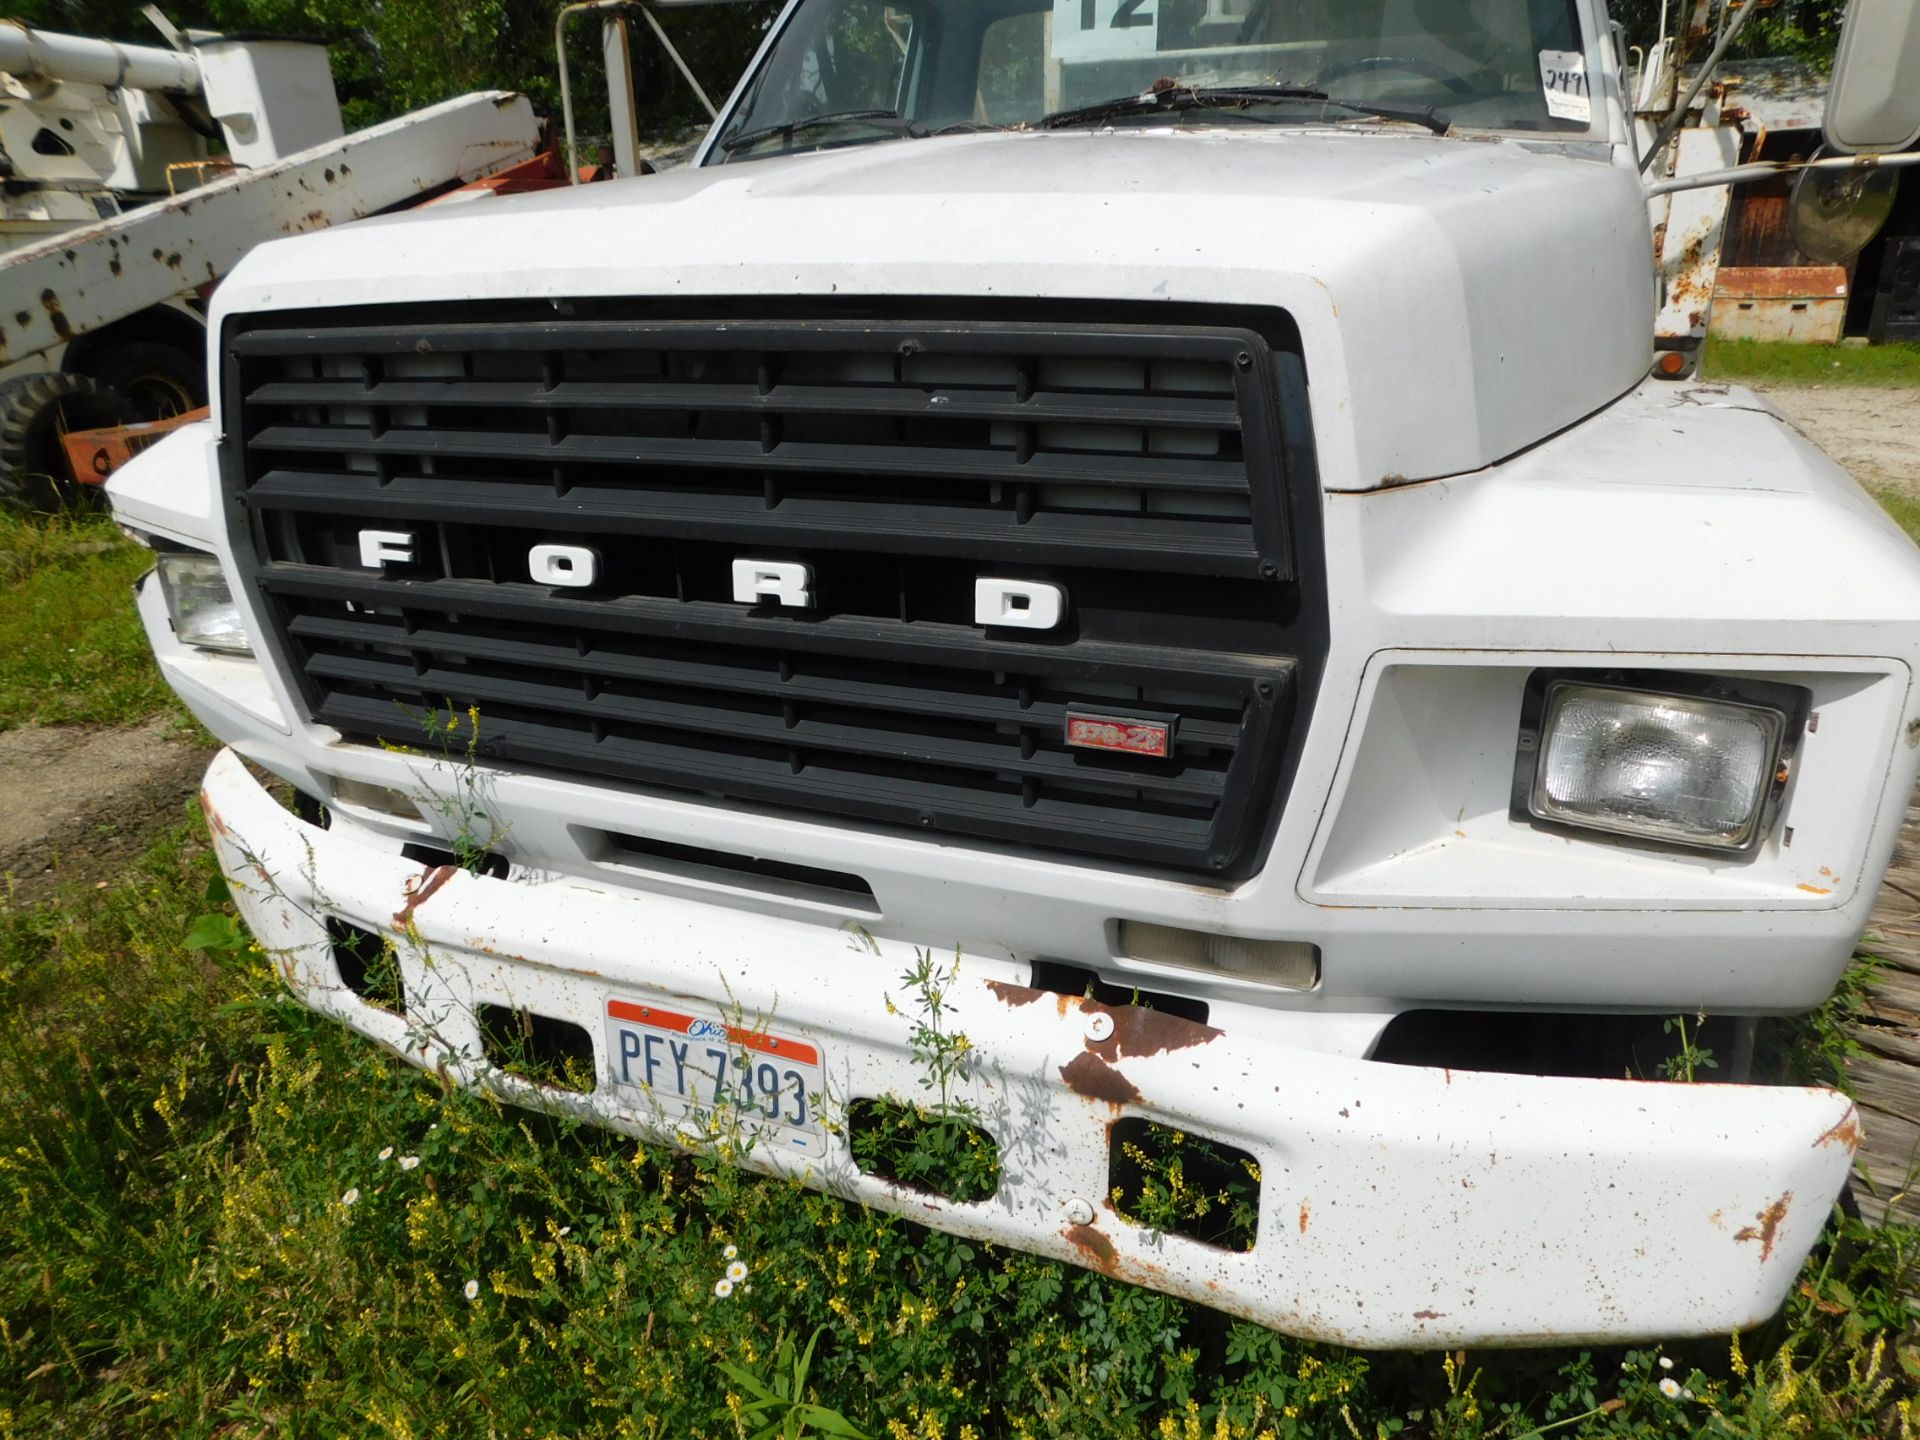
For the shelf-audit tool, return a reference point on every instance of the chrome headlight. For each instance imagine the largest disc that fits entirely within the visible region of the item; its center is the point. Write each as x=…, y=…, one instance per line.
x=1666, y=759
x=199, y=603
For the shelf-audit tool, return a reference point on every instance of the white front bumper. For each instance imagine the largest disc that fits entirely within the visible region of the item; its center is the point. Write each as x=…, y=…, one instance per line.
x=1399, y=1206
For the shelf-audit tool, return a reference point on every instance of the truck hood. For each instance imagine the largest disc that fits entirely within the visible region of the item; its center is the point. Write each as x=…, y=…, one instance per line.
x=1457, y=299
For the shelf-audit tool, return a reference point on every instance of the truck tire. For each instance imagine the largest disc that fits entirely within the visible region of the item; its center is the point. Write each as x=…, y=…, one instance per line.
x=35, y=412
x=156, y=381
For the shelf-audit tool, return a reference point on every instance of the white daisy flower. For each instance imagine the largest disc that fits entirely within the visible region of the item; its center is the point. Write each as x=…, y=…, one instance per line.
x=723, y=1288
x=732, y=1252
x=1686, y=1394
x=352, y=1195
x=737, y=1271
x=471, y=1290
x=1666, y=1362
x=387, y=1154
x=407, y=1162
x=1669, y=1387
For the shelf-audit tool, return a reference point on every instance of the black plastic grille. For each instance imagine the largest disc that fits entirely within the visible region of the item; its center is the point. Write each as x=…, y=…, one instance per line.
x=1138, y=467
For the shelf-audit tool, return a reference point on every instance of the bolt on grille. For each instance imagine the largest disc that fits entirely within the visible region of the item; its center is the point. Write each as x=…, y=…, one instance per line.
x=1136, y=467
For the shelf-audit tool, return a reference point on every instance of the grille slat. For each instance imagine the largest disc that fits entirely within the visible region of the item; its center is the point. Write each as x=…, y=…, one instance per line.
x=834, y=790
x=1117, y=471
x=945, y=702
x=720, y=624
x=399, y=678
x=953, y=337
x=1137, y=467
x=1175, y=412
x=1186, y=546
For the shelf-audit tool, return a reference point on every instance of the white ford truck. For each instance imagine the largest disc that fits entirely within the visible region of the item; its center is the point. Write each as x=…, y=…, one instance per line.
x=1158, y=504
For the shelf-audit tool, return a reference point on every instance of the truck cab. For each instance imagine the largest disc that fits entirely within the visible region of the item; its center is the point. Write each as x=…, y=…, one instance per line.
x=1148, y=517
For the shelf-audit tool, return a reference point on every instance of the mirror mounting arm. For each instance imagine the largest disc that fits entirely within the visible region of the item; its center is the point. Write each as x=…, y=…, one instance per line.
x=567, y=12
x=1765, y=169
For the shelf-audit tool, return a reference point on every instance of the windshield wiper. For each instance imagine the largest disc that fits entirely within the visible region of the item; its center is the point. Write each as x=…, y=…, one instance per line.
x=1175, y=98
x=1438, y=121
x=891, y=120
x=1168, y=98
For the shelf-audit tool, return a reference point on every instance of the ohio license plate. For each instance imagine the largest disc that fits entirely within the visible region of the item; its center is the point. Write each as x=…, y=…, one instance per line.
x=689, y=1066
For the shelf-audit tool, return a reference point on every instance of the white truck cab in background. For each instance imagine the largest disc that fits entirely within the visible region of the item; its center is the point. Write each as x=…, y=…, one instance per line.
x=1158, y=504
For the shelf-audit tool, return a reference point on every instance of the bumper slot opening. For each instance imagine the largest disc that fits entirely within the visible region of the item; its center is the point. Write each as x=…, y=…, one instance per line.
x=548, y=1051
x=1074, y=980
x=944, y=1155
x=783, y=878
x=311, y=810
x=368, y=966
x=481, y=862
x=1179, y=1183
x=1598, y=1047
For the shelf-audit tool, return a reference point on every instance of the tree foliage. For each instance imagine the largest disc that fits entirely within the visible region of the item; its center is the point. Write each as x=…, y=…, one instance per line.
x=1800, y=29
x=392, y=56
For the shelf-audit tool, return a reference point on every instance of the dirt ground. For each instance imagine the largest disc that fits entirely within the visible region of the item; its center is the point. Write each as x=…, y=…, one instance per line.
x=78, y=803
x=1875, y=433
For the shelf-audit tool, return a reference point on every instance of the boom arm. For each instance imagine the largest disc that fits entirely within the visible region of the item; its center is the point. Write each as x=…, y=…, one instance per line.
x=86, y=278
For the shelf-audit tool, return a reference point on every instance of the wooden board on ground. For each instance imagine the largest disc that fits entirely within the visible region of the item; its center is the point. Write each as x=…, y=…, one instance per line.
x=1885, y=1076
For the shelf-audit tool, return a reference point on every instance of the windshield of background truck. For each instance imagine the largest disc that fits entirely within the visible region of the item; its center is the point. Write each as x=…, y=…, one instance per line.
x=846, y=72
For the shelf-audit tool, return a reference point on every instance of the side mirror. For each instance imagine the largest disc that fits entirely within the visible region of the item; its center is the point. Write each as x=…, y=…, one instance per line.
x=1873, y=102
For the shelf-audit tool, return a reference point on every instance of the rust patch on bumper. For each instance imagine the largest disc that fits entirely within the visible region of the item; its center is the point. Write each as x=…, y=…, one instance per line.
x=1139, y=1031
x=1013, y=996
x=1769, y=1219
x=1089, y=1075
x=1846, y=1132
x=1097, y=1248
x=420, y=889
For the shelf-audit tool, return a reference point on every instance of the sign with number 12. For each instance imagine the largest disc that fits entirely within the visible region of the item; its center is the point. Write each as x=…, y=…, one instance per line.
x=1105, y=29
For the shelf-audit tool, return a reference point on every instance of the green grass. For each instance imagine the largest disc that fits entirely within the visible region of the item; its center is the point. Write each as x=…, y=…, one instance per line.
x=1893, y=366
x=175, y=1259
x=71, y=647
x=1904, y=508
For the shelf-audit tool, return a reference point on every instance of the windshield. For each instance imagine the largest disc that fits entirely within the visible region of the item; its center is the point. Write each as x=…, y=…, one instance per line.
x=846, y=72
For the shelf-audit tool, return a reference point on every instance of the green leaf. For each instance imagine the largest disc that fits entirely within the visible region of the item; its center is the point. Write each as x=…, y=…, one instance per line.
x=830, y=1422
x=748, y=1381
x=216, y=932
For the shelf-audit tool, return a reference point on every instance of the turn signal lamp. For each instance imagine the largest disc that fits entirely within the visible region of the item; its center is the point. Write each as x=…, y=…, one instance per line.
x=1289, y=964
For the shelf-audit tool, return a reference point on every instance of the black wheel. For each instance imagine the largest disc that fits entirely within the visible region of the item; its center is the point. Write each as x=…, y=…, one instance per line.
x=156, y=381
x=36, y=412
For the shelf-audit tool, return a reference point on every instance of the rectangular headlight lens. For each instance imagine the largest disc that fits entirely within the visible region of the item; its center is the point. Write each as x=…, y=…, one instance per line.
x=1290, y=964
x=1678, y=769
x=199, y=603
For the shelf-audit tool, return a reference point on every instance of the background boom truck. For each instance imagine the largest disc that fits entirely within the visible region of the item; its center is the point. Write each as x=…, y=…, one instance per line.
x=115, y=223
x=1151, y=515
